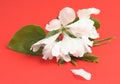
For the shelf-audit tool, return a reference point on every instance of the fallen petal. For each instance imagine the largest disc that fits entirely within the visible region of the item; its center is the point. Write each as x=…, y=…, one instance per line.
x=82, y=73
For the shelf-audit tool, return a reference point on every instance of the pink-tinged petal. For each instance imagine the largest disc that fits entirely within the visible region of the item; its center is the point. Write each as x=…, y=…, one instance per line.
x=66, y=15
x=53, y=25
x=85, y=13
x=82, y=73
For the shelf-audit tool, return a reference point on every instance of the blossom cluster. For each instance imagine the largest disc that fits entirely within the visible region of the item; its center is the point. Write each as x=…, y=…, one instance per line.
x=76, y=30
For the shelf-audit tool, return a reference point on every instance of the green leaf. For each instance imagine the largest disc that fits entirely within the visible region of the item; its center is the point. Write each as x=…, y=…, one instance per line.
x=96, y=23
x=25, y=37
x=52, y=33
x=89, y=57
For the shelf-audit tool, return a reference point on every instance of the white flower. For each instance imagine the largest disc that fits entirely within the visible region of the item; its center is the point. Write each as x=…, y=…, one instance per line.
x=84, y=26
x=82, y=73
x=66, y=16
x=48, y=44
x=75, y=46
x=56, y=51
x=83, y=29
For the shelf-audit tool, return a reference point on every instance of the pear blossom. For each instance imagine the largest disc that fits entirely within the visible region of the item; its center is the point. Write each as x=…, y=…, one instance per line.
x=66, y=16
x=75, y=46
x=83, y=29
x=59, y=54
x=82, y=73
x=84, y=26
x=48, y=44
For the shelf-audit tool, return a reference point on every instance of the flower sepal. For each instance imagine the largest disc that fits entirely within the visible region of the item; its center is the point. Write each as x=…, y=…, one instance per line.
x=88, y=57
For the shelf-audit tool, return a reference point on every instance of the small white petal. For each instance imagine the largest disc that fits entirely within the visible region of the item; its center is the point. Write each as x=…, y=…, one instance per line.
x=35, y=47
x=94, y=11
x=93, y=33
x=88, y=49
x=53, y=25
x=85, y=13
x=66, y=15
x=87, y=41
x=56, y=49
x=47, y=51
x=66, y=45
x=87, y=44
x=51, y=39
x=82, y=73
x=66, y=58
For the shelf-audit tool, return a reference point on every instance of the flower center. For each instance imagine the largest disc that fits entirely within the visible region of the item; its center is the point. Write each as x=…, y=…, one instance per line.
x=63, y=29
x=60, y=37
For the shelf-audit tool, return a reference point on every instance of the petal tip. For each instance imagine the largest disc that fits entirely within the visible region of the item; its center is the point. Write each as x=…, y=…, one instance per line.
x=96, y=11
x=66, y=15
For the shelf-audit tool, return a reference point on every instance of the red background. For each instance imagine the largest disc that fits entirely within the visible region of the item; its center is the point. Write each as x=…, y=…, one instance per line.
x=17, y=68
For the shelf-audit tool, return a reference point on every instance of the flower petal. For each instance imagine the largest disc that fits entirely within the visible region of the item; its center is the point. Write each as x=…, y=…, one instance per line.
x=47, y=51
x=82, y=73
x=66, y=15
x=87, y=41
x=35, y=47
x=73, y=46
x=53, y=25
x=56, y=49
x=66, y=58
x=83, y=27
x=66, y=45
x=93, y=33
x=85, y=13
